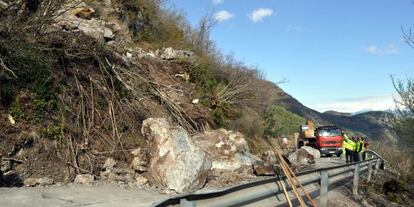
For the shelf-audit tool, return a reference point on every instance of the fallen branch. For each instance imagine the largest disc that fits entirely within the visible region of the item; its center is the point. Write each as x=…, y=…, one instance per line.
x=6, y=68
x=12, y=159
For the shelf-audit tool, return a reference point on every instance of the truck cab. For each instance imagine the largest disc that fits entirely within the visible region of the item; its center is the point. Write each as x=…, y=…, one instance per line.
x=328, y=140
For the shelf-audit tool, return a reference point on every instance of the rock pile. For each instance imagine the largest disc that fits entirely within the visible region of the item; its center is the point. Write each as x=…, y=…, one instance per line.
x=183, y=163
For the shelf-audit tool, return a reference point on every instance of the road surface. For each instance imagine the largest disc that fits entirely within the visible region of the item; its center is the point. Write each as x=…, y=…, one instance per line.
x=98, y=195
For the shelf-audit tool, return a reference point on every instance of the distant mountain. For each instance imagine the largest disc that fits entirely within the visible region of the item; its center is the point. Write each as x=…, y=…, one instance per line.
x=373, y=124
x=337, y=113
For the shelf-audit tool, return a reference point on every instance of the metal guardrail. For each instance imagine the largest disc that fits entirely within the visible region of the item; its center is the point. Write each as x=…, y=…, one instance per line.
x=258, y=190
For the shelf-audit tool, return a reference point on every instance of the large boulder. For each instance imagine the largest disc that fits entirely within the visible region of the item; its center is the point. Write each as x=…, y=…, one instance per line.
x=227, y=150
x=176, y=162
x=305, y=156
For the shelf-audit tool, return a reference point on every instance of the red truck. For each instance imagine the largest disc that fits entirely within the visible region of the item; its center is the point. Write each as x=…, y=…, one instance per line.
x=327, y=139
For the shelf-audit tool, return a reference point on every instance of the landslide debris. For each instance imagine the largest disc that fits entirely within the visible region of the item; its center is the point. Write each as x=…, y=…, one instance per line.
x=78, y=78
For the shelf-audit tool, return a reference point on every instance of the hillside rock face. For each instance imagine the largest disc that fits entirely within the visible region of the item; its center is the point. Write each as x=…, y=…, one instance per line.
x=227, y=150
x=176, y=162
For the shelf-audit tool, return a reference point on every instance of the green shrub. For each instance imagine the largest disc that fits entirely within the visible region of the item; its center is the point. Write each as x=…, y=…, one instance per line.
x=52, y=132
x=280, y=121
x=32, y=71
x=16, y=111
x=151, y=23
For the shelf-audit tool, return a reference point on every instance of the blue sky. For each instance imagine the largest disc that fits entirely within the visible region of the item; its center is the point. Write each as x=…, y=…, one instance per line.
x=335, y=54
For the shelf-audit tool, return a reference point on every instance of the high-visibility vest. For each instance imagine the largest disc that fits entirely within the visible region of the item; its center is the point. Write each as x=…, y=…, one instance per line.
x=360, y=146
x=348, y=144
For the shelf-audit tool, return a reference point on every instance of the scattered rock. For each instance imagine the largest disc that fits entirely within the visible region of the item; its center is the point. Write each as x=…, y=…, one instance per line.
x=30, y=182
x=264, y=170
x=84, y=13
x=227, y=150
x=177, y=163
x=139, y=160
x=33, y=181
x=195, y=101
x=85, y=179
x=312, y=151
x=109, y=163
x=11, y=119
x=140, y=181
x=269, y=157
x=184, y=76
x=6, y=165
x=305, y=156
x=44, y=181
x=172, y=54
x=108, y=34
x=80, y=19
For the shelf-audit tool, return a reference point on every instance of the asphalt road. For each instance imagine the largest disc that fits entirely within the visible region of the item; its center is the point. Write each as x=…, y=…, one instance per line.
x=96, y=196
x=77, y=195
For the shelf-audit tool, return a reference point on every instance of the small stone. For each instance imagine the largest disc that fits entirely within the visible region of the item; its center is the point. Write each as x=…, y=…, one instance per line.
x=264, y=170
x=196, y=101
x=129, y=55
x=141, y=181
x=85, y=179
x=108, y=34
x=30, y=182
x=11, y=120
x=109, y=163
x=44, y=181
x=6, y=166
x=112, y=177
x=139, y=161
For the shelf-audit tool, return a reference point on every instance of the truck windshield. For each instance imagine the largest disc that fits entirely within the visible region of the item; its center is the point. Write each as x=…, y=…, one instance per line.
x=329, y=132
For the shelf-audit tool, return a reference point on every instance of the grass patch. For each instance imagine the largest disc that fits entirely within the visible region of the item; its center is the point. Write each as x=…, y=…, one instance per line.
x=281, y=122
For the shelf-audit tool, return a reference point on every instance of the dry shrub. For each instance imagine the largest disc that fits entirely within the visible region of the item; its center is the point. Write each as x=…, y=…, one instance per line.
x=399, y=160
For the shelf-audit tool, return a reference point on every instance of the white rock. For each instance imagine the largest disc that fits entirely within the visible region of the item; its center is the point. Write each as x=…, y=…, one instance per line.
x=176, y=163
x=139, y=161
x=11, y=119
x=109, y=163
x=85, y=179
x=195, y=101
x=228, y=150
x=171, y=54
x=312, y=151
x=108, y=34
x=30, y=182
x=304, y=156
x=140, y=181
x=44, y=181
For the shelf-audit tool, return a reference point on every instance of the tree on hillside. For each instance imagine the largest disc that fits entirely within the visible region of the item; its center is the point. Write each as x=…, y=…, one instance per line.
x=404, y=117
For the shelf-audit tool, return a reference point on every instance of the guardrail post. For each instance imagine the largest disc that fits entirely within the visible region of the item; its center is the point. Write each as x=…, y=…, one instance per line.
x=377, y=166
x=356, y=179
x=323, y=197
x=369, y=171
x=186, y=203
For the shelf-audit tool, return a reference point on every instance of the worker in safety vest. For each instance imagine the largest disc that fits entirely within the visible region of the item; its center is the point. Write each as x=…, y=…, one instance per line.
x=348, y=148
x=359, y=148
x=356, y=148
x=364, y=147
